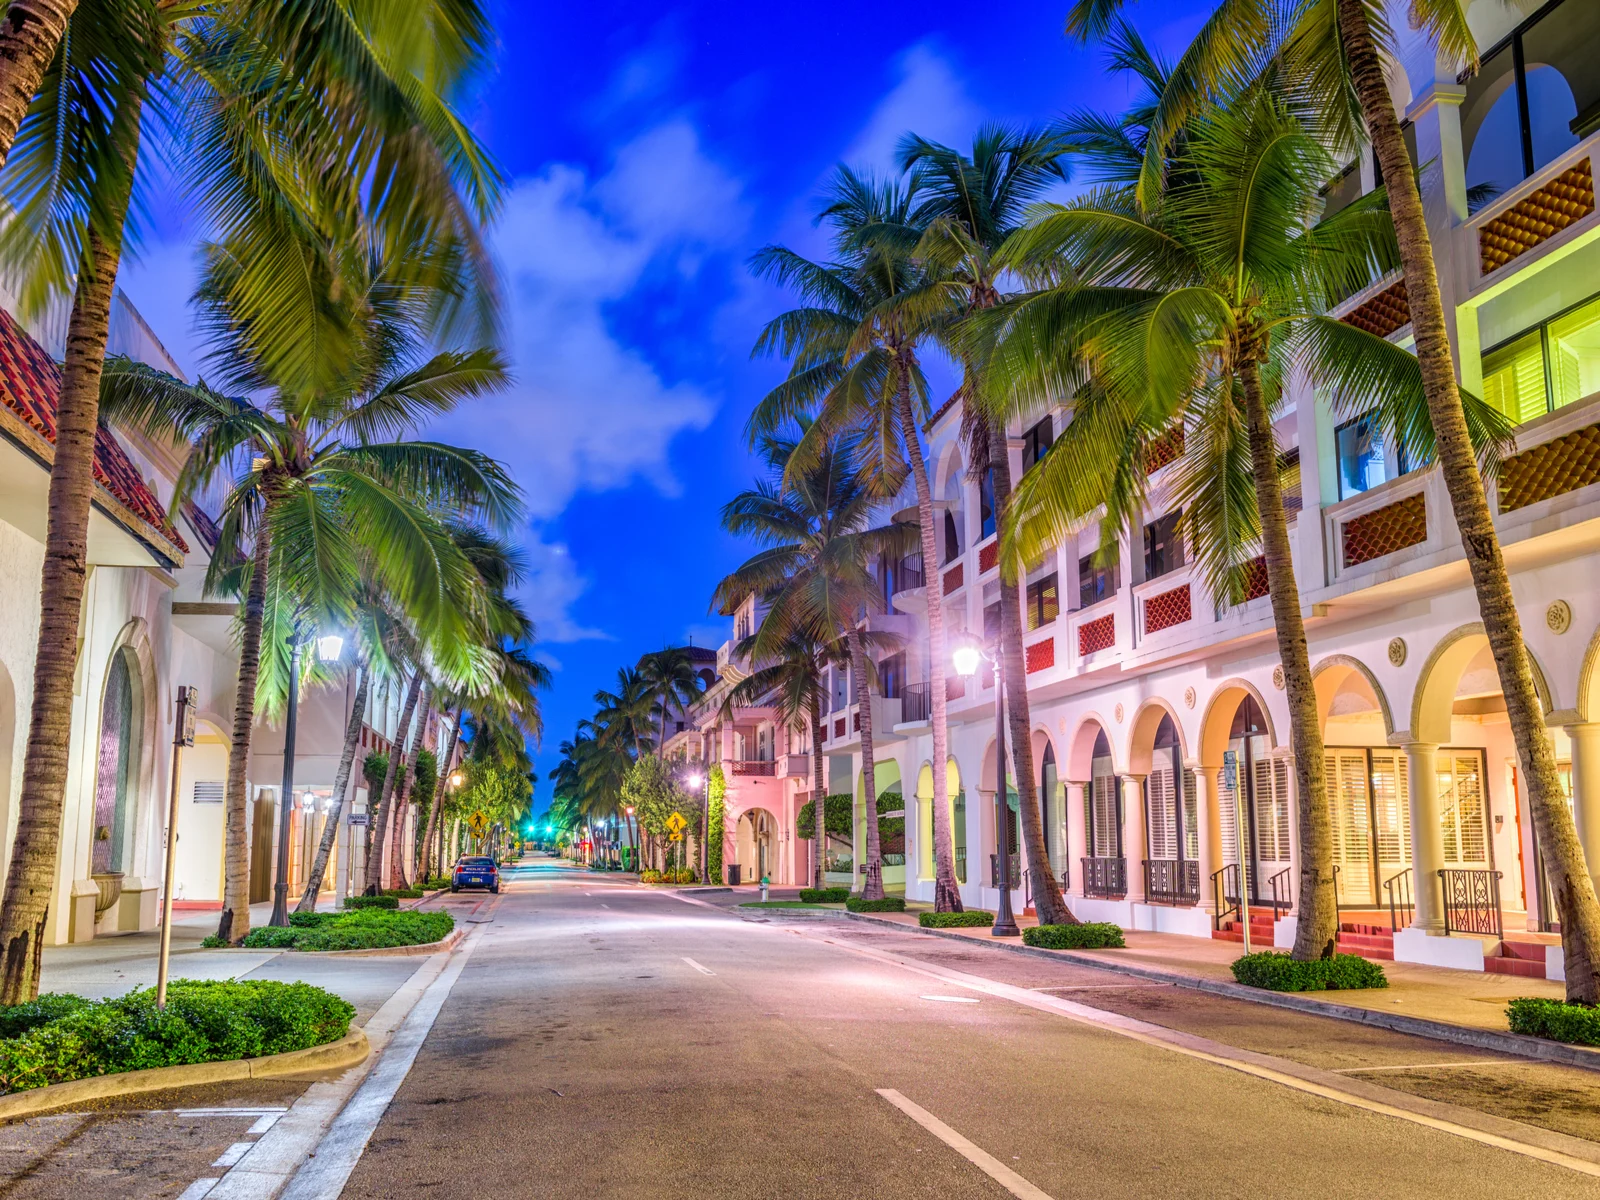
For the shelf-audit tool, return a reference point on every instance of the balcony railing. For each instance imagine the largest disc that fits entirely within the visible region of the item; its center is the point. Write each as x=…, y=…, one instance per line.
x=1105, y=877
x=1016, y=870
x=1172, y=881
x=1472, y=902
x=1544, y=205
x=754, y=766
x=916, y=702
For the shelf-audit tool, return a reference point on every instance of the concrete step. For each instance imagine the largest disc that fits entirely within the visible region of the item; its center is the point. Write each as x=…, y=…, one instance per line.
x=1514, y=966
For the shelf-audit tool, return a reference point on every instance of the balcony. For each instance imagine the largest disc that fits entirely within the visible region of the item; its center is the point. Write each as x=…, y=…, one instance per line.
x=763, y=767
x=916, y=703
x=1164, y=603
x=1557, y=455
x=1364, y=531
x=794, y=766
x=1105, y=878
x=1553, y=207
x=1094, y=629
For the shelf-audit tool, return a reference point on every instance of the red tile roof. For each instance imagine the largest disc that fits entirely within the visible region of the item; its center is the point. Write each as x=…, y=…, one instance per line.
x=30, y=383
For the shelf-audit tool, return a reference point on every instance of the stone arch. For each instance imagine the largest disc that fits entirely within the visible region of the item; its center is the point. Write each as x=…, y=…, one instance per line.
x=1039, y=743
x=1080, y=747
x=1587, y=701
x=1434, y=697
x=1218, y=719
x=1337, y=673
x=126, y=721
x=1142, y=733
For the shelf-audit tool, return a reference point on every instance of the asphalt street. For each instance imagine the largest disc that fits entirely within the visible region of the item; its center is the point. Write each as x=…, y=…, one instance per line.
x=609, y=1040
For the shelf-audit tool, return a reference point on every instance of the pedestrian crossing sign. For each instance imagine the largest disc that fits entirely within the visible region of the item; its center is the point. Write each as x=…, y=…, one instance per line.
x=677, y=823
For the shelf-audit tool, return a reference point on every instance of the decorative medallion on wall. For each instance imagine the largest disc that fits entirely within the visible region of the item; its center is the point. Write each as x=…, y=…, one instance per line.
x=1063, y=725
x=1397, y=651
x=1558, y=616
x=1188, y=697
x=1277, y=678
x=1117, y=712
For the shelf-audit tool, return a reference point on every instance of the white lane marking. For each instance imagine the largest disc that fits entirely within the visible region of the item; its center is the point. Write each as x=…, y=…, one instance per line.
x=324, y=1176
x=605, y=906
x=697, y=966
x=228, y=1112
x=263, y=1123
x=1475, y=1062
x=233, y=1154
x=950, y=999
x=199, y=1189
x=982, y=1159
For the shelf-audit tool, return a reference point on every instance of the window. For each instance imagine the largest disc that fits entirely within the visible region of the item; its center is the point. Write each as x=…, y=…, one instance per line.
x=1552, y=365
x=952, y=540
x=991, y=623
x=1036, y=443
x=892, y=676
x=1362, y=462
x=1044, y=601
x=986, y=502
x=1163, y=546
x=841, y=689
x=1096, y=580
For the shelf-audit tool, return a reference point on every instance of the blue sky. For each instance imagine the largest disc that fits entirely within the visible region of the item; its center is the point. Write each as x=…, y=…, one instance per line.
x=650, y=152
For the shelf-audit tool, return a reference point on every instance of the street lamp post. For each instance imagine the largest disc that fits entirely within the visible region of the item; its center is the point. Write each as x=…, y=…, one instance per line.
x=329, y=647
x=967, y=655
x=695, y=782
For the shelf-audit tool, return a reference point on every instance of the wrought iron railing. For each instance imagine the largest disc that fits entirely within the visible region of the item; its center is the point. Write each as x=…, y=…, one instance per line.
x=1282, y=893
x=961, y=866
x=1172, y=881
x=1472, y=902
x=1398, y=888
x=754, y=766
x=1225, y=896
x=916, y=702
x=1105, y=877
x=1016, y=870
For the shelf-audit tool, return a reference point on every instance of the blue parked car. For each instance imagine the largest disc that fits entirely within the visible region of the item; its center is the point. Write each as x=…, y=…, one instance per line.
x=476, y=871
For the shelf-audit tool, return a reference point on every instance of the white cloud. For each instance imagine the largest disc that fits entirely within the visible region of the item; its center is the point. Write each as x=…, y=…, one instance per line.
x=929, y=99
x=548, y=592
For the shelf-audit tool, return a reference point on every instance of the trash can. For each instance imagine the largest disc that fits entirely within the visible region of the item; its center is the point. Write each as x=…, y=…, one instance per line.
x=733, y=874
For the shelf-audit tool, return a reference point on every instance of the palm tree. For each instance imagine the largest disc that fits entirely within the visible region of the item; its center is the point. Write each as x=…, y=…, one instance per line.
x=672, y=681
x=854, y=349
x=980, y=201
x=814, y=576
x=1335, y=51
x=256, y=134
x=1192, y=312
x=28, y=40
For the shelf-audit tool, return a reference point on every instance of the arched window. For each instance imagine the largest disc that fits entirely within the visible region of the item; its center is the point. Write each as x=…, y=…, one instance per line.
x=117, y=769
x=952, y=540
x=1047, y=789
x=1103, y=803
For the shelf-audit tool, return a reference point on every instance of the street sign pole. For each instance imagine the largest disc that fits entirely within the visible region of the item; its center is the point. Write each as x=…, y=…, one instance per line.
x=182, y=736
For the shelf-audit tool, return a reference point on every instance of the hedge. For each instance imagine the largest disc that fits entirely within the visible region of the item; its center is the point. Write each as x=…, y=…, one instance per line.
x=833, y=895
x=887, y=904
x=410, y=893
x=1277, y=972
x=363, y=929
x=372, y=901
x=1091, y=935
x=1553, y=1019
x=971, y=918
x=677, y=875
x=57, y=1038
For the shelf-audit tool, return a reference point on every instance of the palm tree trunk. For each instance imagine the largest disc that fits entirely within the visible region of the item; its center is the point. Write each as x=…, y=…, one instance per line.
x=1558, y=835
x=380, y=811
x=341, y=784
x=36, y=851
x=1318, y=921
x=1048, y=901
x=819, y=787
x=29, y=35
x=872, y=889
x=435, y=814
x=946, y=895
x=400, y=846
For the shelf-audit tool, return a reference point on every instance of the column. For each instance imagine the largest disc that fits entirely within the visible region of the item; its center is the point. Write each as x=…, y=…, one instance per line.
x=1427, y=837
x=1077, y=846
x=1210, y=831
x=1586, y=788
x=1133, y=845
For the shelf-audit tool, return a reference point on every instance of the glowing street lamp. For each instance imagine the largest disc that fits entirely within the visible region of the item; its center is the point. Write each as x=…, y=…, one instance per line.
x=967, y=655
x=329, y=647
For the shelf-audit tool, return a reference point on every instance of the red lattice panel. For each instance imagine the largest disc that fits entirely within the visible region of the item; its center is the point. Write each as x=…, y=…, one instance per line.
x=1040, y=656
x=988, y=557
x=1167, y=448
x=1380, y=316
x=1255, y=579
x=1386, y=530
x=855, y=722
x=954, y=578
x=1565, y=200
x=1561, y=465
x=1167, y=609
x=838, y=727
x=1098, y=634
x=954, y=688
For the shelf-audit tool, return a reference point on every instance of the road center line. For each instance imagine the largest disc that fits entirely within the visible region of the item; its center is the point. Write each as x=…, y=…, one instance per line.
x=978, y=1157
x=697, y=966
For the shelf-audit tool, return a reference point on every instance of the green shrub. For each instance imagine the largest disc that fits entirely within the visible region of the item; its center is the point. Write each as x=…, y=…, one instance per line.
x=204, y=1021
x=1277, y=972
x=1553, y=1019
x=410, y=893
x=213, y=942
x=887, y=904
x=1091, y=935
x=51, y=1006
x=371, y=902
x=358, y=929
x=307, y=919
x=833, y=895
x=270, y=937
x=972, y=917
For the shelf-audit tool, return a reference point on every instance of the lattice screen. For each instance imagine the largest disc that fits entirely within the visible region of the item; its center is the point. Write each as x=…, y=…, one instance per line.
x=1561, y=465
x=1565, y=200
x=1167, y=609
x=1386, y=530
x=1098, y=634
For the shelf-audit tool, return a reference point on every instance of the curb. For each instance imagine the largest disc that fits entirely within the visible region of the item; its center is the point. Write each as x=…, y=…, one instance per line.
x=446, y=943
x=346, y=1052
x=1501, y=1041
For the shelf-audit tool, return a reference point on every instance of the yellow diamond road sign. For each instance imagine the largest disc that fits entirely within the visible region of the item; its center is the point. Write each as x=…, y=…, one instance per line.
x=676, y=822
x=478, y=823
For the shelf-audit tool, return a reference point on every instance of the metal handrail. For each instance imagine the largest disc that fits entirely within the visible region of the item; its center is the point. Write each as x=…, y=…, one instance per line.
x=1472, y=902
x=1398, y=887
x=1338, y=916
x=1282, y=892
x=1224, y=903
x=1105, y=877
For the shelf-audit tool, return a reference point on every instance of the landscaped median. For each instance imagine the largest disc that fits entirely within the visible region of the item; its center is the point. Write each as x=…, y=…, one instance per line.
x=62, y=1049
x=366, y=927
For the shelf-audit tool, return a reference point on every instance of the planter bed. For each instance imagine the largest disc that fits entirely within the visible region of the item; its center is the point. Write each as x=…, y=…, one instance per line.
x=361, y=929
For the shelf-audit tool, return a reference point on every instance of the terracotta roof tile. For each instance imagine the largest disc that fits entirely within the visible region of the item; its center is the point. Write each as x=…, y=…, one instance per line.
x=30, y=383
